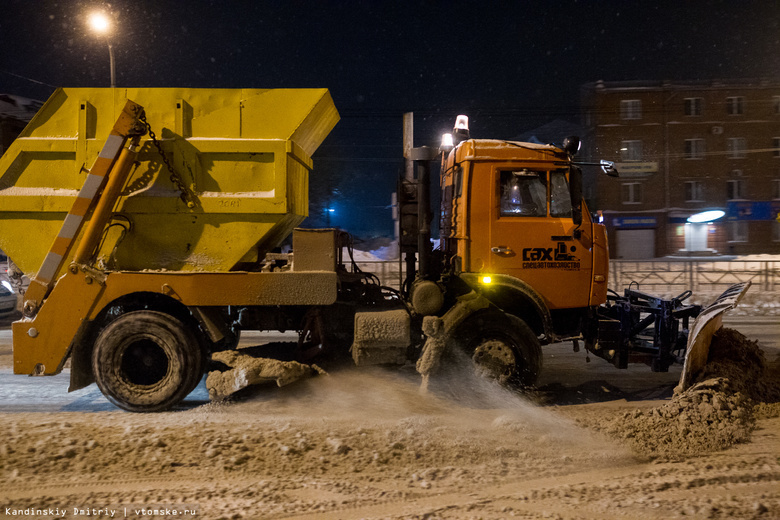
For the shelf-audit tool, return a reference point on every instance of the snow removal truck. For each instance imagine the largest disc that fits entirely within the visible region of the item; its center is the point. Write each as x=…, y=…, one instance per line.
x=145, y=218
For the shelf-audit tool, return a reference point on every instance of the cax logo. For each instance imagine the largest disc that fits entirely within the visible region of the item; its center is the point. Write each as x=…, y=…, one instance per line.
x=547, y=254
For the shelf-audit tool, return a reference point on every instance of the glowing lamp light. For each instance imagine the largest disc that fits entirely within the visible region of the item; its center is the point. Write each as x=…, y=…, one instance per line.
x=447, y=142
x=462, y=123
x=7, y=286
x=706, y=216
x=99, y=22
x=487, y=279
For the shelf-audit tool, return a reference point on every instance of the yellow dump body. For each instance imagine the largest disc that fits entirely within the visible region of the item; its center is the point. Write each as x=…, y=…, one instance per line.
x=244, y=154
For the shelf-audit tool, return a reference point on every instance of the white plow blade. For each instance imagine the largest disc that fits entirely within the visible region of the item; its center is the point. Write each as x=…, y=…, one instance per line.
x=704, y=326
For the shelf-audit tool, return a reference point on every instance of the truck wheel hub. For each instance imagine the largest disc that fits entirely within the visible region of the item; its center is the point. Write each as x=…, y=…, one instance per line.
x=494, y=359
x=144, y=363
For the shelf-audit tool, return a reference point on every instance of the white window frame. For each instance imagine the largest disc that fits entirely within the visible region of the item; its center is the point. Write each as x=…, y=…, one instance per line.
x=735, y=189
x=736, y=147
x=630, y=109
x=693, y=106
x=737, y=231
x=694, y=191
x=735, y=105
x=634, y=192
x=631, y=150
x=697, y=148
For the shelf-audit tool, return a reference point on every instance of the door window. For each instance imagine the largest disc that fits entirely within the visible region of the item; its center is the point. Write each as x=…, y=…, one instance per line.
x=523, y=193
x=560, y=197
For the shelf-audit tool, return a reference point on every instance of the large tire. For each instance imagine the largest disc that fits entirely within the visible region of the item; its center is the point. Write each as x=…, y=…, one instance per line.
x=147, y=361
x=502, y=347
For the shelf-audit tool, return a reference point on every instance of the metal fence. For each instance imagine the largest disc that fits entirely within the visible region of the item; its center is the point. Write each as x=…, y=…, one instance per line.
x=695, y=275
x=390, y=272
x=655, y=276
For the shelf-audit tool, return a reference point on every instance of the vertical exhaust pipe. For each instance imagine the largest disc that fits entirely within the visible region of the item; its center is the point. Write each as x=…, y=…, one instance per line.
x=422, y=158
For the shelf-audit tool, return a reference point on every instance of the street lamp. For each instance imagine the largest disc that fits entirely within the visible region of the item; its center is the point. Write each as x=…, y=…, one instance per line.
x=100, y=23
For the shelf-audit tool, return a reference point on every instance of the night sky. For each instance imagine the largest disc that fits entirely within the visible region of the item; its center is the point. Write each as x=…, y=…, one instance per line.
x=510, y=66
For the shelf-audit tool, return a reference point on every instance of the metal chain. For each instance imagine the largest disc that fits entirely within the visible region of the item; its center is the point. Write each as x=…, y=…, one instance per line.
x=186, y=194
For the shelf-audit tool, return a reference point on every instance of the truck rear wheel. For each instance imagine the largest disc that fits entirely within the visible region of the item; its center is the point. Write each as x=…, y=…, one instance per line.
x=502, y=347
x=147, y=361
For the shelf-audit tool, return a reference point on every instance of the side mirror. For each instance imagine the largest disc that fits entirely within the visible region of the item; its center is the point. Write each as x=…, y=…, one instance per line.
x=608, y=167
x=575, y=189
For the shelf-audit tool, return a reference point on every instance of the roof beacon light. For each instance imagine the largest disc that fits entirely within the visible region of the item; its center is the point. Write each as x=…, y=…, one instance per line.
x=706, y=216
x=461, y=131
x=447, y=143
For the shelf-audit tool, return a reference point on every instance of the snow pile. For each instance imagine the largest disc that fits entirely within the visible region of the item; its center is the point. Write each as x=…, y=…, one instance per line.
x=719, y=410
x=381, y=254
x=247, y=370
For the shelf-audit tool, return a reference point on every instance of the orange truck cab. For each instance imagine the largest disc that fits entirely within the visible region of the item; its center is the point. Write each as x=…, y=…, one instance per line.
x=514, y=224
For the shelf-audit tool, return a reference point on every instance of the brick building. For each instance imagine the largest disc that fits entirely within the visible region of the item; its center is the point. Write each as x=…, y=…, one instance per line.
x=683, y=148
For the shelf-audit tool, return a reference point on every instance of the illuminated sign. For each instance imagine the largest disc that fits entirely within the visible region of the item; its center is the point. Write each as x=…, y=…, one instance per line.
x=637, y=169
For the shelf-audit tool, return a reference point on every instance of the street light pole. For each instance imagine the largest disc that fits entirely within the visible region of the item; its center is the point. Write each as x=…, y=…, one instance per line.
x=100, y=23
x=111, y=62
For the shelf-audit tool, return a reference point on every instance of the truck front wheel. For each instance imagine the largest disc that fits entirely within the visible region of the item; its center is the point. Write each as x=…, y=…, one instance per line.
x=502, y=347
x=146, y=361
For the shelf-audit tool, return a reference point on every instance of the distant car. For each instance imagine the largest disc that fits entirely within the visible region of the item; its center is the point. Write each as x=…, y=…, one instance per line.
x=7, y=298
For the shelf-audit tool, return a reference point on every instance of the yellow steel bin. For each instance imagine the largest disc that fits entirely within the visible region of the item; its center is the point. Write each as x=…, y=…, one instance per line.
x=245, y=154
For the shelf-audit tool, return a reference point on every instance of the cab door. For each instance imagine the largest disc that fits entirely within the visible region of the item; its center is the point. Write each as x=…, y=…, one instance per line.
x=533, y=236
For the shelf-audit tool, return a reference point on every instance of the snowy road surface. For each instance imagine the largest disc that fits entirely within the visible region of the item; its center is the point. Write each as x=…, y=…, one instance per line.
x=561, y=365
x=366, y=444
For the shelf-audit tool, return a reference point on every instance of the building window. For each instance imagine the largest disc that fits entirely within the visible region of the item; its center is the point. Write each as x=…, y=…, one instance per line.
x=694, y=148
x=632, y=193
x=693, y=106
x=776, y=104
x=735, y=105
x=738, y=231
x=630, y=109
x=735, y=189
x=694, y=191
x=736, y=147
x=776, y=146
x=631, y=151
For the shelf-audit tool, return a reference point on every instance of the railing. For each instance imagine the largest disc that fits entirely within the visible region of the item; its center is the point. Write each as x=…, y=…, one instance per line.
x=695, y=275
x=390, y=272
x=653, y=276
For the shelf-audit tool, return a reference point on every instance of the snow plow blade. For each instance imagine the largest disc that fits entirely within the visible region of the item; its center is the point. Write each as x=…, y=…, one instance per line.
x=706, y=324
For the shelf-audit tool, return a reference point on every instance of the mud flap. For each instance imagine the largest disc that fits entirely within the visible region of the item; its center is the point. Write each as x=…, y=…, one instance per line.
x=708, y=322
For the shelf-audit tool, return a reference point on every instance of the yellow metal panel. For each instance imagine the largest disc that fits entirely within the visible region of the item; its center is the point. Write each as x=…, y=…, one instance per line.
x=244, y=153
x=305, y=116
x=46, y=338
